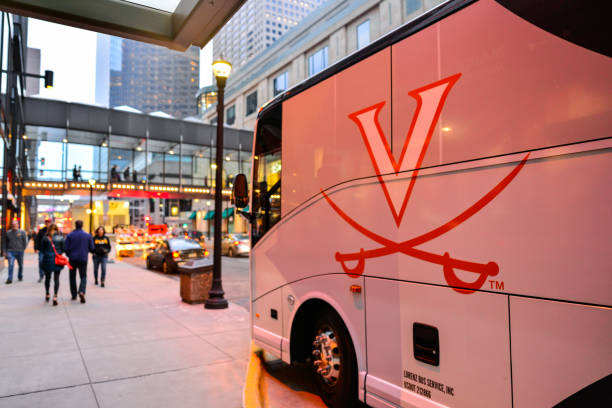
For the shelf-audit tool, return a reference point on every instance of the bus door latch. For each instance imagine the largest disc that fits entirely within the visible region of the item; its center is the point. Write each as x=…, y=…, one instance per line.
x=426, y=344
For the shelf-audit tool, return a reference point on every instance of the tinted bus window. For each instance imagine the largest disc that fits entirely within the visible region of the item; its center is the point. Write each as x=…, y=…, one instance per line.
x=267, y=173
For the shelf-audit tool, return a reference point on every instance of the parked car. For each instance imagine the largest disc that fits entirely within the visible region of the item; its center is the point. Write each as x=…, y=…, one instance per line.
x=170, y=253
x=235, y=245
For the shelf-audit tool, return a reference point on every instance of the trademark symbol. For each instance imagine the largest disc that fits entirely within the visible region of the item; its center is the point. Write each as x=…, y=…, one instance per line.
x=497, y=285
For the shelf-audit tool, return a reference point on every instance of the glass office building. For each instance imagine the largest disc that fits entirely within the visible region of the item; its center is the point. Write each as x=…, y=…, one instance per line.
x=257, y=25
x=146, y=77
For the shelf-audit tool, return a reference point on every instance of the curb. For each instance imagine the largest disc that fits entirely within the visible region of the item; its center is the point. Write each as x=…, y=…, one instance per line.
x=254, y=393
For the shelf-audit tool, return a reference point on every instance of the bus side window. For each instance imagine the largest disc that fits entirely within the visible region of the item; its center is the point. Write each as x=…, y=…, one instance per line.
x=267, y=173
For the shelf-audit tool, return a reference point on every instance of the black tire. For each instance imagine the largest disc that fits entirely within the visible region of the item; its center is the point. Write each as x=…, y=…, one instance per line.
x=230, y=252
x=338, y=387
x=148, y=263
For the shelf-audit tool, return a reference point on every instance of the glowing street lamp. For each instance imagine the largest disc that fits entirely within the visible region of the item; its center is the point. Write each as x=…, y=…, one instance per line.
x=221, y=70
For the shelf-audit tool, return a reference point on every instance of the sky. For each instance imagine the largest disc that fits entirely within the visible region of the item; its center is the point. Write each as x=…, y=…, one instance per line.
x=71, y=54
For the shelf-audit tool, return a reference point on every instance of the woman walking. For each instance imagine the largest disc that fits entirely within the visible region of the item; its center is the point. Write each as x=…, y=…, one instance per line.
x=51, y=244
x=102, y=248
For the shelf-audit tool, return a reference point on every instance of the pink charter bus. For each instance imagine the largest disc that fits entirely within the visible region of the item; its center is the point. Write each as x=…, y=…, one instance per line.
x=431, y=216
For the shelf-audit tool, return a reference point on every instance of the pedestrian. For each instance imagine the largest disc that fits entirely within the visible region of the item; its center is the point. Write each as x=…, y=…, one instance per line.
x=134, y=176
x=101, y=250
x=16, y=243
x=37, y=242
x=78, y=245
x=126, y=174
x=75, y=173
x=52, y=244
x=79, y=177
x=114, y=174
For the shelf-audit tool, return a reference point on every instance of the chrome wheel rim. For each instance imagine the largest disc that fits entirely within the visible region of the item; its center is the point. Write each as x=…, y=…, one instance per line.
x=326, y=355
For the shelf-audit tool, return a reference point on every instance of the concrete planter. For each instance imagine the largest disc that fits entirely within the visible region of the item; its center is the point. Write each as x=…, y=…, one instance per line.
x=196, y=280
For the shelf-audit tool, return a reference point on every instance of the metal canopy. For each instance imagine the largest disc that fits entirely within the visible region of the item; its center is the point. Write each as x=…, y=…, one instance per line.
x=175, y=24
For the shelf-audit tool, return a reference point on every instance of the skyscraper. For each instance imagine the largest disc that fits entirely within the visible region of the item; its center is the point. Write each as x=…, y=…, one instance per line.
x=108, y=67
x=146, y=77
x=257, y=25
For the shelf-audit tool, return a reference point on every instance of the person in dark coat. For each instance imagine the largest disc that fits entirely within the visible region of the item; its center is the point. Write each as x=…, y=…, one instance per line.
x=16, y=243
x=102, y=248
x=37, y=243
x=53, y=238
x=78, y=245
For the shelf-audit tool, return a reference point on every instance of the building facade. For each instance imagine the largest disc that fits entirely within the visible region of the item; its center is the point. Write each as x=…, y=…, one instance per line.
x=147, y=77
x=257, y=25
x=330, y=33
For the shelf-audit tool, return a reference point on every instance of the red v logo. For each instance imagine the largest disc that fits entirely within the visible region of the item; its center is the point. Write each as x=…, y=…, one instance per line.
x=430, y=101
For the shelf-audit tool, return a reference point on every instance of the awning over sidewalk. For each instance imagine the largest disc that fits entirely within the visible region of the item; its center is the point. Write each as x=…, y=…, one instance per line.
x=228, y=212
x=193, y=215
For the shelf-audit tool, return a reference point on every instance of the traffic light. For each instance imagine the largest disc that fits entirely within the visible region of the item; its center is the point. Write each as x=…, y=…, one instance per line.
x=48, y=79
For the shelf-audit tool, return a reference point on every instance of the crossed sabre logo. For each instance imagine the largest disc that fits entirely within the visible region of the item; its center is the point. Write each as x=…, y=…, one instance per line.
x=430, y=101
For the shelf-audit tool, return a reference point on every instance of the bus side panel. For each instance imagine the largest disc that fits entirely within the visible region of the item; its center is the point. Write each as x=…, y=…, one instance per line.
x=521, y=87
x=548, y=230
x=557, y=349
x=267, y=321
x=474, y=346
x=322, y=146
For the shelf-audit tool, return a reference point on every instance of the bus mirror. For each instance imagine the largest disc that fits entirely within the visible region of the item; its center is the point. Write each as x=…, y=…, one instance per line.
x=240, y=191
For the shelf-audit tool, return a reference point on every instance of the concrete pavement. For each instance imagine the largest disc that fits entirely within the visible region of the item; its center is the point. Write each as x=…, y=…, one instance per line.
x=133, y=344
x=235, y=277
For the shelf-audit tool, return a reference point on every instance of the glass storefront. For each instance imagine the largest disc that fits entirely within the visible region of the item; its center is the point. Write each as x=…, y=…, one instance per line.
x=58, y=155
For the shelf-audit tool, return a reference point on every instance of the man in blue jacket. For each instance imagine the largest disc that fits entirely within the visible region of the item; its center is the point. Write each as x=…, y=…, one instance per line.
x=77, y=246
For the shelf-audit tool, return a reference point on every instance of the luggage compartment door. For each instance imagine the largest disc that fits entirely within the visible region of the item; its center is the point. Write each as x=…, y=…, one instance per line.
x=428, y=344
x=558, y=349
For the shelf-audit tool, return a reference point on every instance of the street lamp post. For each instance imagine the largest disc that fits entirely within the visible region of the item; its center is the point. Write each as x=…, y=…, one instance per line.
x=221, y=70
x=92, y=182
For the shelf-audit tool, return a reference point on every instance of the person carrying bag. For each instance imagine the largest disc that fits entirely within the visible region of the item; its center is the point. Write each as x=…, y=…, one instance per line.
x=60, y=260
x=52, y=261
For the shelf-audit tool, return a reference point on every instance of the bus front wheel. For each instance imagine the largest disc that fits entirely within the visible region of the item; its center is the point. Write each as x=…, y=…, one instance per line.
x=334, y=362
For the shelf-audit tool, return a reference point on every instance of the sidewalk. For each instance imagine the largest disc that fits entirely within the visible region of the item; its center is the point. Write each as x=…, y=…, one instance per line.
x=133, y=344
